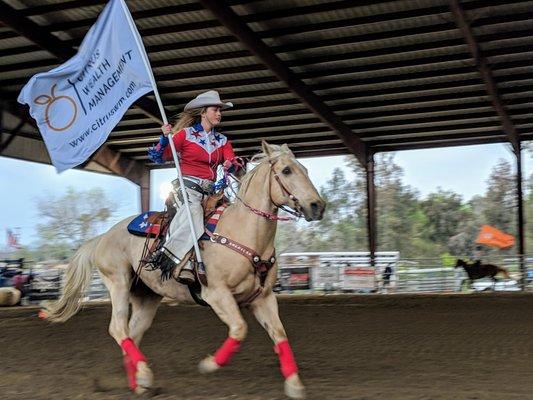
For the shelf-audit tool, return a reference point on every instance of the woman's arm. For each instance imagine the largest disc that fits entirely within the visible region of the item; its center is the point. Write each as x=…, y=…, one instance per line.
x=178, y=139
x=231, y=163
x=162, y=152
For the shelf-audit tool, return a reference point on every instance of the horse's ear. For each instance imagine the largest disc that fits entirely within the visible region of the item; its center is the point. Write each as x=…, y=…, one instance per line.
x=285, y=149
x=266, y=148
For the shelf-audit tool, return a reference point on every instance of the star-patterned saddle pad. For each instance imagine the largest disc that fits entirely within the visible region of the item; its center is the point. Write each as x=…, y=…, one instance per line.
x=146, y=224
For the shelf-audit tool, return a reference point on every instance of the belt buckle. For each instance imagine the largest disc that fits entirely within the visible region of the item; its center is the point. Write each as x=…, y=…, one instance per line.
x=206, y=186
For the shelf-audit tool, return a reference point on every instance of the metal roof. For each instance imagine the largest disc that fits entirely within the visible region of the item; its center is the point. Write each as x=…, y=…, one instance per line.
x=326, y=77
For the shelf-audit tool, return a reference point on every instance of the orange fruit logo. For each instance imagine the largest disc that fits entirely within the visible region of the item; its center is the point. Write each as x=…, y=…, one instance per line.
x=65, y=102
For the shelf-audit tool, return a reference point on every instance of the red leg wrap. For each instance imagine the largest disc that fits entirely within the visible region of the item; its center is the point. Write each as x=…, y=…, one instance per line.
x=130, y=372
x=132, y=357
x=286, y=358
x=226, y=351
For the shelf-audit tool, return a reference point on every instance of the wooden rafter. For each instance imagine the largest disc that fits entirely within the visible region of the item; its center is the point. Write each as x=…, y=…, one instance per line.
x=238, y=28
x=486, y=74
x=13, y=133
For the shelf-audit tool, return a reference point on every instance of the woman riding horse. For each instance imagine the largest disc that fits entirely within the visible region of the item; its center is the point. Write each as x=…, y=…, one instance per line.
x=201, y=150
x=234, y=277
x=476, y=270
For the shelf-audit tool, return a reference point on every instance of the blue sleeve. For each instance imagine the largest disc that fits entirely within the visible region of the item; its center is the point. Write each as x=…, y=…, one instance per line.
x=155, y=153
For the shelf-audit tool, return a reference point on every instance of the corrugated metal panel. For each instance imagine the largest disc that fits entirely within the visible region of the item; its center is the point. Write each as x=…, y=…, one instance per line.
x=391, y=70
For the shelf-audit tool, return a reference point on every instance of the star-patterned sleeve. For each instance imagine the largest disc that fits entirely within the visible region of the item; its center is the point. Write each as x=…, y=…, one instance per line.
x=235, y=163
x=178, y=138
x=155, y=152
x=227, y=151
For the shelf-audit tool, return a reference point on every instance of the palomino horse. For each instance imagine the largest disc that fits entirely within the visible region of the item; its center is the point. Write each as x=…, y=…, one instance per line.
x=277, y=180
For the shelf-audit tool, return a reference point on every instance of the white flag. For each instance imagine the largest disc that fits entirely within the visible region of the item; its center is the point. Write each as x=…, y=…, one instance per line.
x=77, y=104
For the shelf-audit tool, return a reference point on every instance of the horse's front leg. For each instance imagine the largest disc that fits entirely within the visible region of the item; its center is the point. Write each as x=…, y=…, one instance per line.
x=494, y=281
x=224, y=305
x=265, y=309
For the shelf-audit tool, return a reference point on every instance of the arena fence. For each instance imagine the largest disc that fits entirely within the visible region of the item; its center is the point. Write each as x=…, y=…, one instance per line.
x=352, y=272
x=328, y=272
x=48, y=284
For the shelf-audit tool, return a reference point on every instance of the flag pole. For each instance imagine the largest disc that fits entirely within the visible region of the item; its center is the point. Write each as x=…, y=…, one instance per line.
x=144, y=56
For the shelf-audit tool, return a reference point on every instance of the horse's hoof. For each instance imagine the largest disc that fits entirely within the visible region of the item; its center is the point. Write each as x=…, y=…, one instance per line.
x=294, y=387
x=140, y=391
x=208, y=365
x=144, y=378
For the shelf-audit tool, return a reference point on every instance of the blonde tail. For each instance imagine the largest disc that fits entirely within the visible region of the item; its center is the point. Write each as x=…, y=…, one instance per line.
x=78, y=277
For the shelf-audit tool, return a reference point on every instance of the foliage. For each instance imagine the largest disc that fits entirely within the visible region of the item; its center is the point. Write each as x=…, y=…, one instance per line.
x=440, y=225
x=66, y=221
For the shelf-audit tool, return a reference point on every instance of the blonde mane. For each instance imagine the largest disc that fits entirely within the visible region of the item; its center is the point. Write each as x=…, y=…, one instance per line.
x=261, y=159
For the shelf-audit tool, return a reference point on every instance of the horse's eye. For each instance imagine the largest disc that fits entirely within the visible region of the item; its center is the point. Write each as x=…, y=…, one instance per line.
x=286, y=171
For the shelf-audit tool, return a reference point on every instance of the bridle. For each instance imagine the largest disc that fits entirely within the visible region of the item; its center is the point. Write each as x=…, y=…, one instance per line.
x=297, y=212
x=261, y=266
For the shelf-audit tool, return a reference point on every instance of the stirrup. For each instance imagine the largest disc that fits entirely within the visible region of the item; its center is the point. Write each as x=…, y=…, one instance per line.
x=186, y=277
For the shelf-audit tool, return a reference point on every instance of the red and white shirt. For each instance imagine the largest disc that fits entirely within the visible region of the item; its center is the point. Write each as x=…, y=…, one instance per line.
x=201, y=152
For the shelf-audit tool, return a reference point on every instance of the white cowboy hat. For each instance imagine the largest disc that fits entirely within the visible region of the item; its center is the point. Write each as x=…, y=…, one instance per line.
x=209, y=98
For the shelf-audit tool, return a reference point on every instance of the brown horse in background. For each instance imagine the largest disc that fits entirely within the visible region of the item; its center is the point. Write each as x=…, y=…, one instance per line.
x=476, y=270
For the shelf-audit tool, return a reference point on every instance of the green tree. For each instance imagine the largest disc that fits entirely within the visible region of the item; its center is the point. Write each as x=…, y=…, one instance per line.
x=398, y=210
x=66, y=221
x=341, y=226
x=445, y=215
x=501, y=198
x=440, y=225
x=528, y=213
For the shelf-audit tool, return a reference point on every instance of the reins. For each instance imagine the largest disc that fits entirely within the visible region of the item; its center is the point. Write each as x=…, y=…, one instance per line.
x=297, y=214
x=261, y=267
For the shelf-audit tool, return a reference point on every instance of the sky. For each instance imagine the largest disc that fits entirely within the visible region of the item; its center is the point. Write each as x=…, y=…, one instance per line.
x=464, y=170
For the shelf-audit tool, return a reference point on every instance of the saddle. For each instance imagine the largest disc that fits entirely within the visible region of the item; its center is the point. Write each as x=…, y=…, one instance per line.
x=214, y=206
x=155, y=225
x=148, y=224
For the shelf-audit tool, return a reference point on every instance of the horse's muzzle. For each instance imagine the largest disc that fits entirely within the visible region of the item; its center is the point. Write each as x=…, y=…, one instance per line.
x=315, y=210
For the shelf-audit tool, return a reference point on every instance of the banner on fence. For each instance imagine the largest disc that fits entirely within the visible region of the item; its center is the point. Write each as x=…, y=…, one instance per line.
x=358, y=277
x=295, y=278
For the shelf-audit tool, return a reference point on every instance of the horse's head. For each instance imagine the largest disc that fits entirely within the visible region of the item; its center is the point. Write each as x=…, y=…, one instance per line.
x=290, y=184
x=460, y=263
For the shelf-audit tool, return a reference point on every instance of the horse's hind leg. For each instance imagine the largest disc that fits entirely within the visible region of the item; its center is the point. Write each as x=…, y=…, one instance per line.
x=265, y=309
x=140, y=377
x=226, y=308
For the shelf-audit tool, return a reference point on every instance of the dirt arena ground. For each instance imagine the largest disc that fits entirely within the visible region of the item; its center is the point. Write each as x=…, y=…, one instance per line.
x=471, y=347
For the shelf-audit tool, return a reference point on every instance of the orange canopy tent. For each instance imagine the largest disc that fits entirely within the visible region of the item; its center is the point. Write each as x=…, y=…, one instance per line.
x=490, y=236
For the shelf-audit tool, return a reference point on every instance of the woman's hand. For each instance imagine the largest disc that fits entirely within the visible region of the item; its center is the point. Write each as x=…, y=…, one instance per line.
x=227, y=165
x=166, y=129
